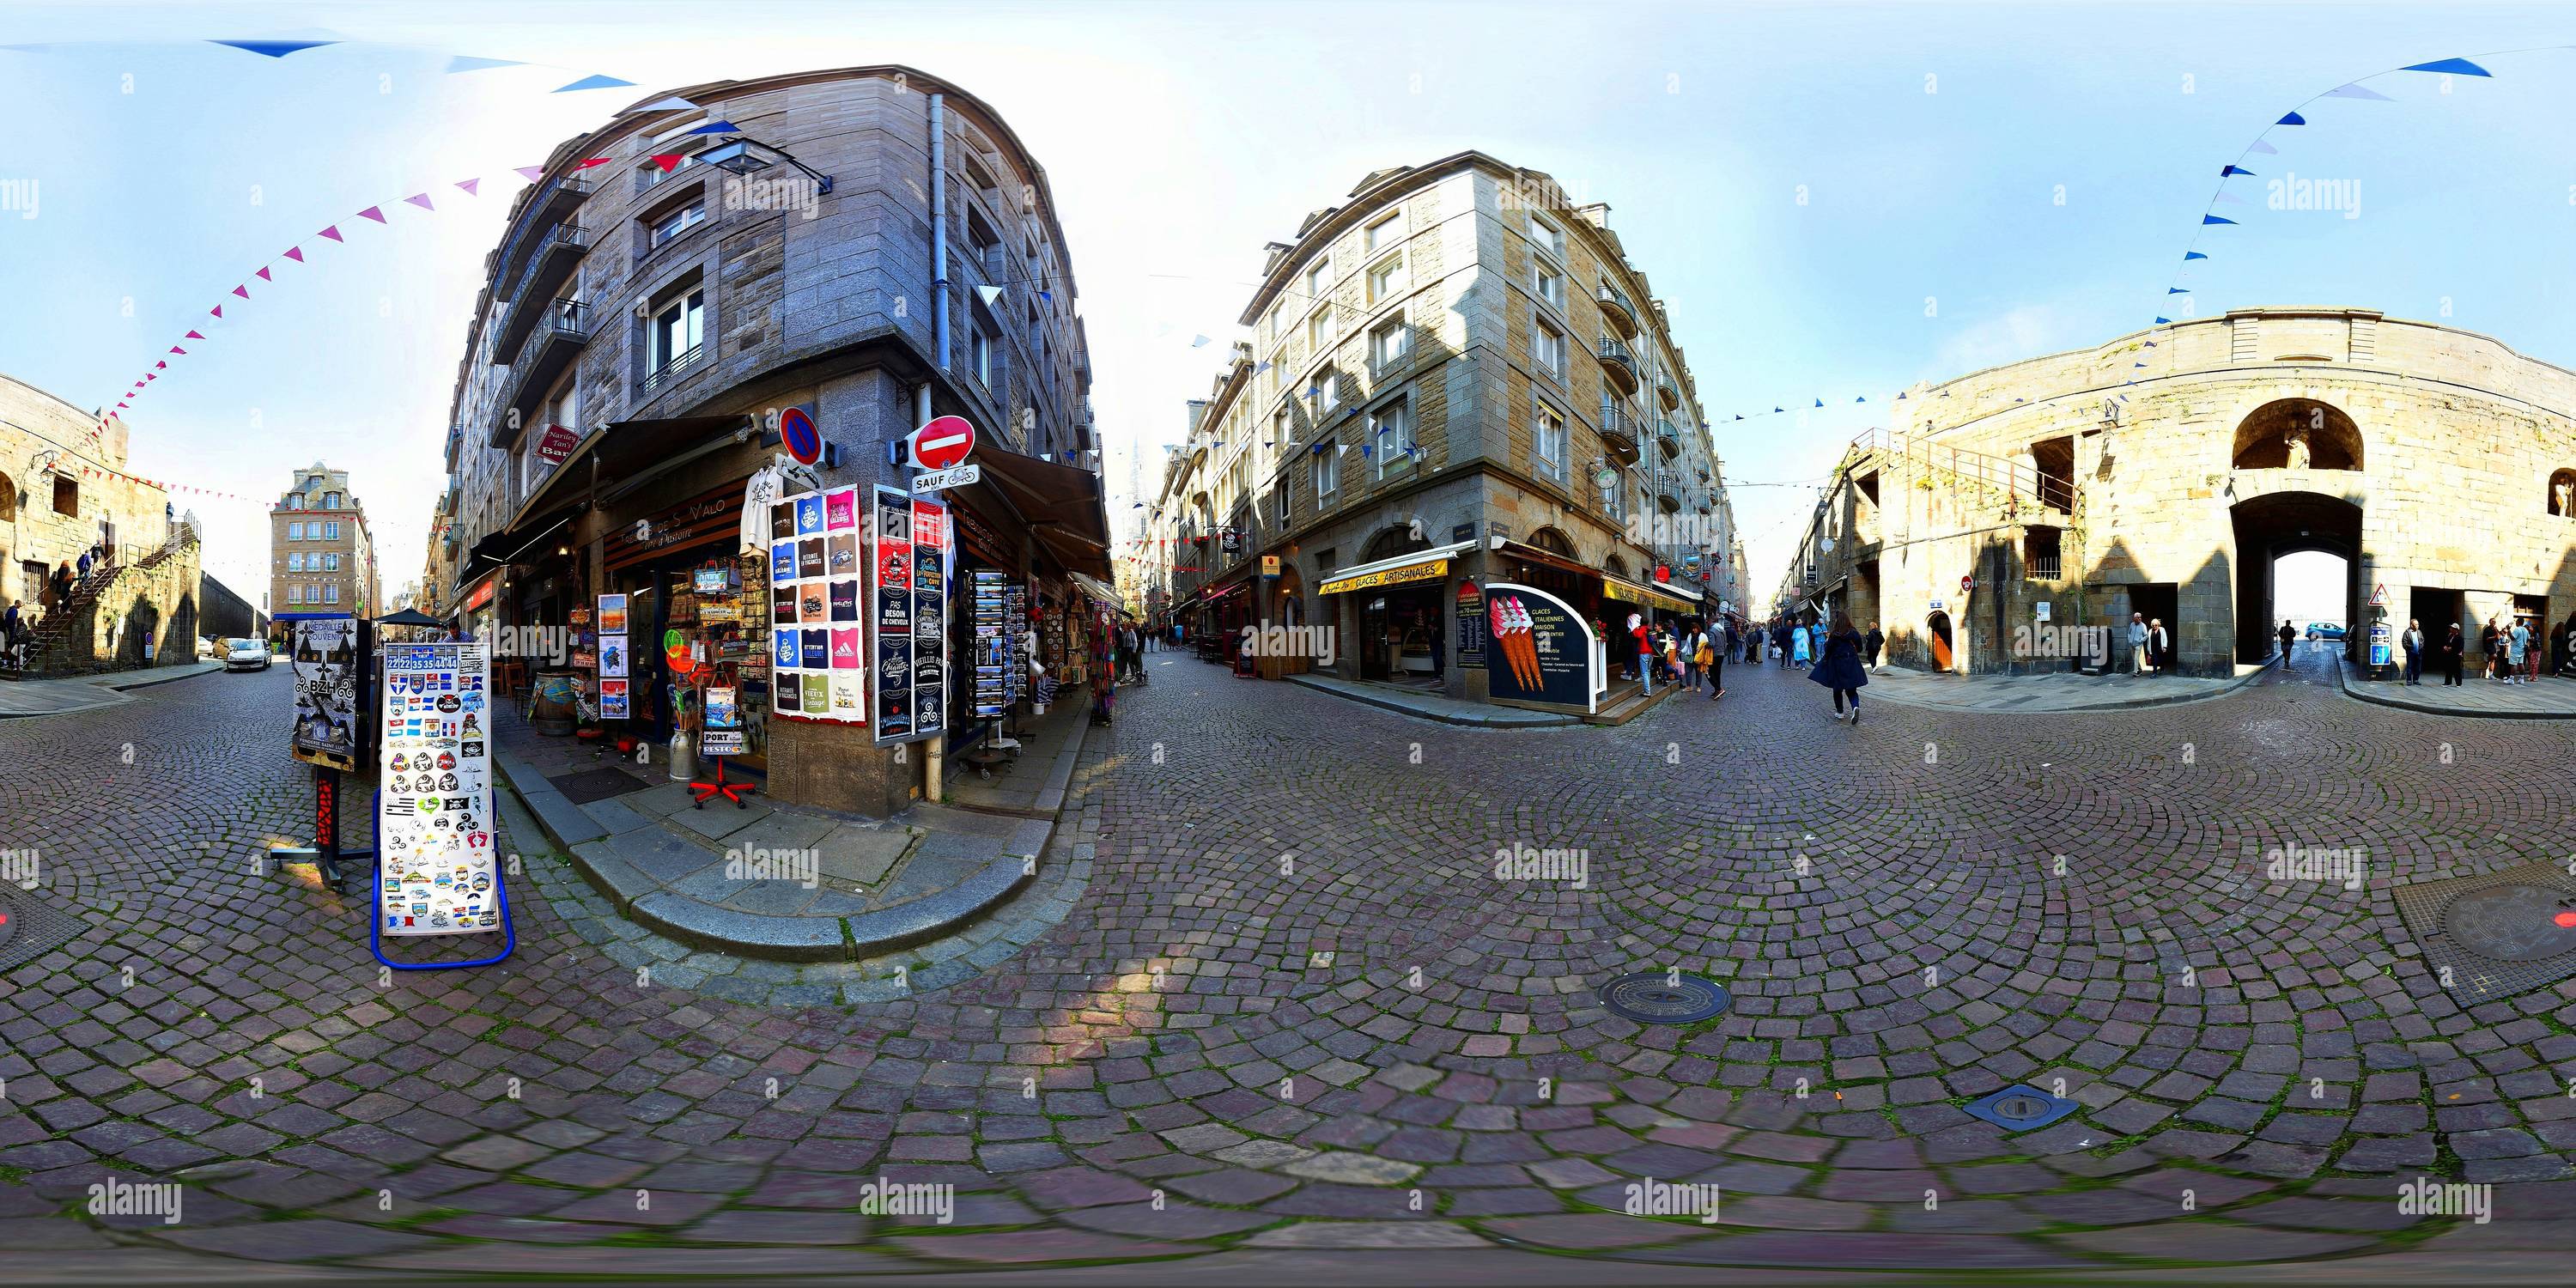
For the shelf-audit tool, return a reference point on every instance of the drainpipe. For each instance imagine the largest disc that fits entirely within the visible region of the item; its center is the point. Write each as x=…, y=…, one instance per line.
x=939, y=220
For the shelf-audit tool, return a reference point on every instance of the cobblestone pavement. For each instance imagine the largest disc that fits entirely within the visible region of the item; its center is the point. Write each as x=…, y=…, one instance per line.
x=1294, y=1011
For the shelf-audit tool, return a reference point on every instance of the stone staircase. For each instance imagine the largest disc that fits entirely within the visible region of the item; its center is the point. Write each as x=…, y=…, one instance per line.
x=62, y=641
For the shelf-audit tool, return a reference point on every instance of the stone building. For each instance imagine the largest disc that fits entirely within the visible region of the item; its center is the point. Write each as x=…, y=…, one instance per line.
x=871, y=246
x=64, y=490
x=321, y=558
x=1454, y=377
x=2162, y=473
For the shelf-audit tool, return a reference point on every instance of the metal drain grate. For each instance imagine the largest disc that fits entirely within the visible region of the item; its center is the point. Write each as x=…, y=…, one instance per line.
x=1665, y=997
x=32, y=928
x=2020, y=1108
x=2495, y=935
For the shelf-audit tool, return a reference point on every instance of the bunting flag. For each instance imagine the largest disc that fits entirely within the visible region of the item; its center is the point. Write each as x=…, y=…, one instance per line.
x=333, y=232
x=274, y=48
x=595, y=82
x=465, y=63
x=420, y=199
x=668, y=161
x=376, y=213
x=673, y=103
x=295, y=253
x=472, y=187
x=718, y=127
x=263, y=274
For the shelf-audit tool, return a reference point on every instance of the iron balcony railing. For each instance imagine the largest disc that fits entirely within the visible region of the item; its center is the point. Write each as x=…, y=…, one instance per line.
x=673, y=371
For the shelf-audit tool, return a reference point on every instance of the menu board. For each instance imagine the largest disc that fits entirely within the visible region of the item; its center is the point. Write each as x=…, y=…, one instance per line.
x=816, y=656
x=323, y=654
x=434, y=832
x=612, y=657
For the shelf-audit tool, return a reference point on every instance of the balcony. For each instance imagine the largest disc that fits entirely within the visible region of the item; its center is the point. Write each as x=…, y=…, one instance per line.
x=672, y=373
x=562, y=329
x=1666, y=394
x=1669, y=497
x=1619, y=366
x=1668, y=438
x=1618, y=312
x=552, y=205
x=1619, y=433
x=549, y=266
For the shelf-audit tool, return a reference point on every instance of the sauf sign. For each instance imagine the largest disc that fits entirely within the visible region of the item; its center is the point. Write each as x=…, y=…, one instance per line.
x=940, y=448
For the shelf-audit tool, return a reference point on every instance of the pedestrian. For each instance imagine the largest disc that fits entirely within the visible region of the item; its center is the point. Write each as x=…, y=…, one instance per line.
x=1873, y=642
x=1104, y=681
x=2287, y=635
x=2532, y=654
x=2452, y=647
x=2159, y=645
x=1799, y=647
x=62, y=586
x=1693, y=639
x=87, y=557
x=2516, y=643
x=1780, y=641
x=2487, y=635
x=1645, y=650
x=1840, y=669
x=2413, y=640
x=1714, y=644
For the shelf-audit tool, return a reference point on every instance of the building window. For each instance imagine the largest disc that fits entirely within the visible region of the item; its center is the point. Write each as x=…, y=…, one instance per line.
x=1547, y=443
x=1283, y=507
x=1326, y=470
x=1551, y=287
x=983, y=342
x=1391, y=431
x=331, y=530
x=66, y=496
x=1384, y=277
x=295, y=594
x=1547, y=349
x=1319, y=329
x=1283, y=432
x=669, y=227
x=295, y=532
x=1380, y=233
x=1547, y=237
x=1388, y=344
x=331, y=563
x=1610, y=495
x=331, y=593
x=677, y=331
x=1327, y=392
x=1319, y=282
x=330, y=500
x=295, y=563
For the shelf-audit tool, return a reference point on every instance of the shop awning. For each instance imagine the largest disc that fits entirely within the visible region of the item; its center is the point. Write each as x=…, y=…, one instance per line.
x=1094, y=587
x=1528, y=553
x=1060, y=503
x=1421, y=565
x=1623, y=589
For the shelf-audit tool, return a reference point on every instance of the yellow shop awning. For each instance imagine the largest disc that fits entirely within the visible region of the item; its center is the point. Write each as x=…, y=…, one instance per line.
x=1421, y=565
x=1616, y=588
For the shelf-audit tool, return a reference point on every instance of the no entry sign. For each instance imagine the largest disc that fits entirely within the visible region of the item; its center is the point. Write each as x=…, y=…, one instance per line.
x=942, y=443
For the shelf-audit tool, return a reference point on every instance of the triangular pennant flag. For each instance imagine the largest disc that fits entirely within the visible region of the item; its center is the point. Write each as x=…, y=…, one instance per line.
x=1198, y=342
x=176, y=349
x=2225, y=171
x=669, y=161
x=2264, y=148
x=164, y=364
x=472, y=187
x=242, y=291
x=673, y=103
x=2457, y=66
x=2213, y=219
x=193, y=336
x=1820, y=402
x=420, y=199
x=218, y=310
x=376, y=213
x=594, y=82
x=531, y=173
x=1739, y=415
x=295, y=253
x=2356, y=91
x=1775, y=409
x=2159, y=322
x=281, y=48
x=588, y=162
x=2190, y=255
x=1900, y=395
x=150, y=376
x=2292, y=119
x=991, y=295
x=263, y=274
x=467, y=63
x=333, y=232
x=1860, y=400
x=718, y=127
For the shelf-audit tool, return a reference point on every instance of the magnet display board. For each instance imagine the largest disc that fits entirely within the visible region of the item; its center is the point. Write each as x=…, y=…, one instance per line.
x=435, y=869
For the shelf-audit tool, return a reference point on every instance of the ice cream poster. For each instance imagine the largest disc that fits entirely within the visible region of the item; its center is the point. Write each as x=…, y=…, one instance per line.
x=1538, y=649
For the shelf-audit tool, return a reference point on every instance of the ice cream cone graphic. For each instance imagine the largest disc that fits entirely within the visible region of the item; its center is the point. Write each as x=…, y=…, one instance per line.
x=1512, y=635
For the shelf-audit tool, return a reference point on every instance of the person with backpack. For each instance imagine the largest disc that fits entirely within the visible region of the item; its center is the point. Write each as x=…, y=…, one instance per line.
x=1713, y=645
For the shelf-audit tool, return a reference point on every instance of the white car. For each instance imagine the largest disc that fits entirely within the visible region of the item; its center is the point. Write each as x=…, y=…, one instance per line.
x=245, y=655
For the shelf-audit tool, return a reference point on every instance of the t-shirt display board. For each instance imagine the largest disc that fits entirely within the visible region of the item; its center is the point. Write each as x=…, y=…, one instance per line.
x=910, y=602
x=435, y=869
x=816, y=658
x=324, y=655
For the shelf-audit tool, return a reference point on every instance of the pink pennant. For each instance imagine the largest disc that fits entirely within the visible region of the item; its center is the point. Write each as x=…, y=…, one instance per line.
x=164, y=363
x=333, y=232
x=373, y=212
x=176, y=349
x=242, y=291
x=263, y=274
x=531, y=173
x=218, y=310
x=472, y=187
x=420, y=199
x=150, y=376
x=194, y=336
x=295, y=253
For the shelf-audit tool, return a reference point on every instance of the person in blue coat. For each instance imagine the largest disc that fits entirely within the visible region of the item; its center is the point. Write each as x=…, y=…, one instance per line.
x=1841, y=670
x=1800, y=650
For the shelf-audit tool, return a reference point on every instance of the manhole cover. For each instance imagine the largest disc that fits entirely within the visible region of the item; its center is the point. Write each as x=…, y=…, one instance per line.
x=2514, y=923
x=2494, y=935
x=2020, y=1108
x=1665, y=997
x=30, y=928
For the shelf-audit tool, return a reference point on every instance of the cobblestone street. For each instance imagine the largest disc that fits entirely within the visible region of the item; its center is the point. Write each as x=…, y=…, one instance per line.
x=1294, y=1014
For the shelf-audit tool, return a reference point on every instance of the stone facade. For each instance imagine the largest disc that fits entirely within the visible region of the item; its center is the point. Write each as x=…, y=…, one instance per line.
x=2166, y=469
x=321, y=559
x=63, y=489
x=1454, y=353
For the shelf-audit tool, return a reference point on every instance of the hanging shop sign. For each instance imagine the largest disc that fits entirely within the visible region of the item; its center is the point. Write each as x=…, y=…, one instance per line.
x=434, y=834
x=1541, y=649
x=816, y=660
x=555, y=445
x=327, y=663
x=1269, y=565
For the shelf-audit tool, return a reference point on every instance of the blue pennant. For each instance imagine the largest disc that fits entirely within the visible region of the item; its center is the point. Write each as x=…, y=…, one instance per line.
x=2292, y=119
x=2190, y=255
x=275, y=48
x=2461, y=66
x=2207, y=220
x=594, y=82
x=2225, y=171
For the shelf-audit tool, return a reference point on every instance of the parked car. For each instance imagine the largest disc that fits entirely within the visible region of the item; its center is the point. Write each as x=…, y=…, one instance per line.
x=2325, y=630
x=209, y=648
x=245, y=655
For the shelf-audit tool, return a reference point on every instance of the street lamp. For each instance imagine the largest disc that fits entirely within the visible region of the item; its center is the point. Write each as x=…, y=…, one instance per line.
x=735, y=157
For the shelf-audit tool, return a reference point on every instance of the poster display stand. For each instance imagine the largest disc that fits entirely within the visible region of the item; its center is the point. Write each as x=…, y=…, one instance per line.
x=437, y=872
x=328, y=656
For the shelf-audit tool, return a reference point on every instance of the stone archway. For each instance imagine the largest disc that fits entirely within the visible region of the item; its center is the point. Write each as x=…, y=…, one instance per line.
x=2297, y=433
x=2274, y=524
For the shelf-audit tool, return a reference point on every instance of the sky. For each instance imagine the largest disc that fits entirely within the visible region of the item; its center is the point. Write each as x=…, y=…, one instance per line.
x=1835, y=201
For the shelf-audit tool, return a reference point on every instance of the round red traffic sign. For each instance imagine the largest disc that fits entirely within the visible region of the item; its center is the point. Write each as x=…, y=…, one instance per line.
x=942, y=443
x=797, y=434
